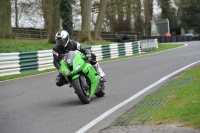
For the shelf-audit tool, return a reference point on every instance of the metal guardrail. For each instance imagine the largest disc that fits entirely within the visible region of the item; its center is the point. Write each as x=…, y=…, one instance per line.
x=16, y=63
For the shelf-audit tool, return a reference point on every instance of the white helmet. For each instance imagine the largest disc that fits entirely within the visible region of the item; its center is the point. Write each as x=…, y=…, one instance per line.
x=62, y=38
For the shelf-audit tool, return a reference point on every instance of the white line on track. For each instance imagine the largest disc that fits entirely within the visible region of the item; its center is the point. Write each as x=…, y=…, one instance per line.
x=107, y=113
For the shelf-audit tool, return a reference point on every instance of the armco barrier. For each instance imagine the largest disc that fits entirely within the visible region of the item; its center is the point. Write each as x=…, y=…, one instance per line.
x=16, y=63
x=115, y=50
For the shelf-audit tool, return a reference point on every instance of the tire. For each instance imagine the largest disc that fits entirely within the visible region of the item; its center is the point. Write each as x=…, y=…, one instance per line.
x=167, y=39
x=189, y=38
x=82, y=94
x=101, y=93
x=162, y=39
x=184, y=38
x=179, y=38
x=173, y=38
x=123, y=38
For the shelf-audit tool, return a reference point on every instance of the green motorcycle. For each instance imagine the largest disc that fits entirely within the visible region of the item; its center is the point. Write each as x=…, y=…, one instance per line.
x=82, y=76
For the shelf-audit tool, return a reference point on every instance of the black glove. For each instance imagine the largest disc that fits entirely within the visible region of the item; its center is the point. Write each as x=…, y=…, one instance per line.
x=93, y=57
x=88, y=56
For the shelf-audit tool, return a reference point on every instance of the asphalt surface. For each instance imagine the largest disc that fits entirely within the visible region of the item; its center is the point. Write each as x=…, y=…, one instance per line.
x=36, y=105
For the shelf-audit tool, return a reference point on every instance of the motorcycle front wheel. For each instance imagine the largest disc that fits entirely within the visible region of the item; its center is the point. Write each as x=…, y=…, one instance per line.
x=101, y=93
x=82, y=92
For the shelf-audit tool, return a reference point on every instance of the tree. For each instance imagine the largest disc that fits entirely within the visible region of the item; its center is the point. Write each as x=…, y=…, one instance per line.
x=86, y=18
x=165, y=8
x=110, y=14
x=189, y=15
x=5, y=19
x=50, y=9
x=148, y=12
x=44, y=11
x=65, y=11
x=128, y=14
x=100, y=18
x=16, y=15
x=169, y=12
x=138, y=25
x=27, y=13
x=119, y=15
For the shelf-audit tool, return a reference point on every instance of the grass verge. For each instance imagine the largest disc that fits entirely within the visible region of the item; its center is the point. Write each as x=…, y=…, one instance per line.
x=176, y=103
x=183, y=108
x=17, y=45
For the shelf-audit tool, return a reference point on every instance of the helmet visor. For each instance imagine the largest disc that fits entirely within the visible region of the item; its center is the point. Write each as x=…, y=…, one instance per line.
x=61, y=42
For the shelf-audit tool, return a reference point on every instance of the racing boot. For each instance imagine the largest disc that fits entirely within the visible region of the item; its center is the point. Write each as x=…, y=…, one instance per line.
x=99, y=71
x=60, y=80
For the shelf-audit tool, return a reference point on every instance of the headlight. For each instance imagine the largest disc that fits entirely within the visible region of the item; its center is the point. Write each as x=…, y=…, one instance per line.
x=66, y=73
x=77, y=68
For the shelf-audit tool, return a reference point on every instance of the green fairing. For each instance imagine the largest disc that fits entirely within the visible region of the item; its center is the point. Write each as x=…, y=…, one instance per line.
x=85, y=67
x=94, y=79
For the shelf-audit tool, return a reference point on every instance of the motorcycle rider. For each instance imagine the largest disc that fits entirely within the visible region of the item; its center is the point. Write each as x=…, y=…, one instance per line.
x=63, y=45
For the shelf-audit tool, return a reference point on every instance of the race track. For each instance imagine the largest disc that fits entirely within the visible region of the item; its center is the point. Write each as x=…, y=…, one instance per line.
x=36, y=105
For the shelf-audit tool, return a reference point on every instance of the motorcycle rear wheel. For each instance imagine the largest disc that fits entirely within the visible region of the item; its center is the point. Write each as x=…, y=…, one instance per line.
x=82, y=93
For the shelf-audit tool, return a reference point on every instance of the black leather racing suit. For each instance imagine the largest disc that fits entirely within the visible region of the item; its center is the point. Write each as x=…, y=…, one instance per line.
x=57, y=56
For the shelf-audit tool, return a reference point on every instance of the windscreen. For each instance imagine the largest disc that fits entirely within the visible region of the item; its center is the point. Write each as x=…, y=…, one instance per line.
x=69, y=57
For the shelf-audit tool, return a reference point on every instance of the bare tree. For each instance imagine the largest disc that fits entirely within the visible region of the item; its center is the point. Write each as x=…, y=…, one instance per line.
x=27, y=13
x=5, y=19
x=128, y=13
x=86, y=18
x=110, y=14
x=148, y=12
x=119, y=13
x=50, y=9
x=44, y=11
x=100, y=18
x=16, y=16
x=138, y=24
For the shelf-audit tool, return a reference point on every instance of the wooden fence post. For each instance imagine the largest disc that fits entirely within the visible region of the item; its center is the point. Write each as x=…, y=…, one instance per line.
x=41, y=34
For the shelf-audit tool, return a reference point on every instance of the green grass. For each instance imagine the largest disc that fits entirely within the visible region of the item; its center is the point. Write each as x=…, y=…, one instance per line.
x=184, y=107
x=97, y=42
x=17, y=45
x=177, y=103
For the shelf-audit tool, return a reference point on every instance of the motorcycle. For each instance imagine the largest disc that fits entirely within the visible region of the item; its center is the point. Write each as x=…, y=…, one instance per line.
x=82, y=76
